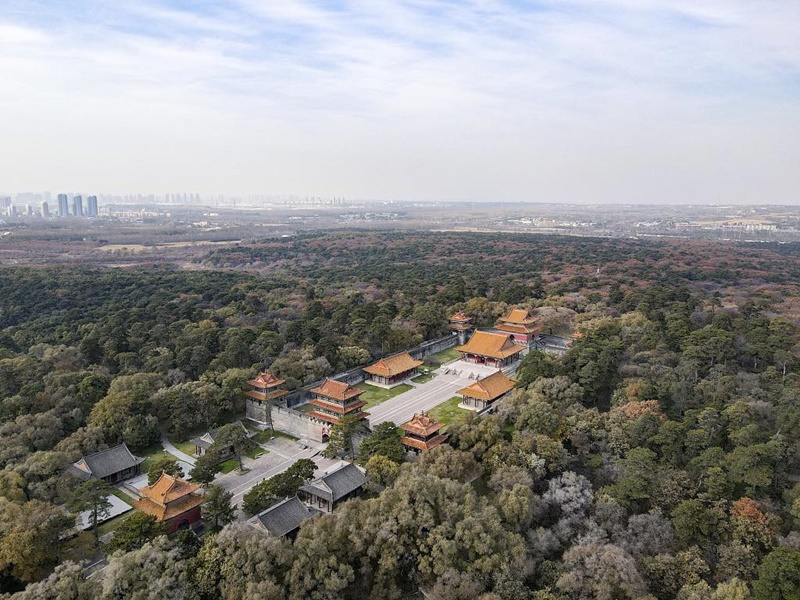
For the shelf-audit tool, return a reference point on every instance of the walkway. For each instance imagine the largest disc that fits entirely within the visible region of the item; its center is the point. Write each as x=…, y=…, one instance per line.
x=165, y=443
x=282, y=454
x=449, y=379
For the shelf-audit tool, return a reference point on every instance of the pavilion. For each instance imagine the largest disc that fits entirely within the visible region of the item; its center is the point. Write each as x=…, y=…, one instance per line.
x=328, y=491
x=112, y=466
x=392, y=371
x=283, y=519
x=519, y=324
x=460, y=324
x=422, y=433
x=266, y=389
x=171, y=501
x=493, y=349
x=335, y=399
x=484, y=393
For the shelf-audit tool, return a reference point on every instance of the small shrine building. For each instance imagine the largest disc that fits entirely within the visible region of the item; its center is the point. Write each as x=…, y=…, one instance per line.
x=392, y=371
x=484, y=393
x=172, y=501
x=422, y=433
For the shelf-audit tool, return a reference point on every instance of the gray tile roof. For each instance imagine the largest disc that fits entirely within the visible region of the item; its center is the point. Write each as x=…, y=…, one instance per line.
x=106, y=462
x=338, y=484
x=283, y=518
x=205, y=440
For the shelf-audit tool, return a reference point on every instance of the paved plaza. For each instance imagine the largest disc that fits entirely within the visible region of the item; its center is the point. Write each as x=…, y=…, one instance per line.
x=283, y=453
x=448, y=380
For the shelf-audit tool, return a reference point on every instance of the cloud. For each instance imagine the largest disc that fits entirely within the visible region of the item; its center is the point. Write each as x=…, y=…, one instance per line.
x=471, y=99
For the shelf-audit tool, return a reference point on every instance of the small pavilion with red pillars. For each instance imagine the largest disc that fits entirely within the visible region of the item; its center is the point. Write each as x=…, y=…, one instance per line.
x=422, y=433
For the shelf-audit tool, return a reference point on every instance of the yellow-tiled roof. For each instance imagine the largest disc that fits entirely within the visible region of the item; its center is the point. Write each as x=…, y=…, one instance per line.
x=393, y=365
x=489, y=388
x=493, y=345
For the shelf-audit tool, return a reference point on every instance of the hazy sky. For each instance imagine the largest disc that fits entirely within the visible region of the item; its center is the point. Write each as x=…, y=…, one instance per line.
x=548, y=101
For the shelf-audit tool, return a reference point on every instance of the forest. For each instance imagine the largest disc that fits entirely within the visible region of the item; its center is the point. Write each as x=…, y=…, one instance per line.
x=656, y=459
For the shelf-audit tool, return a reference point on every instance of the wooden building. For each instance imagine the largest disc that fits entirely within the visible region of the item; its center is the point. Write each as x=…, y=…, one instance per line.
x=283, y=519
x=519, y=324
x=484, y=393
x=335, y=399
x=422, y=433
x=266, y=389
x=392, y=371
x=172, y=501
x=112, y=466
x=325, y=493
x=493, y=349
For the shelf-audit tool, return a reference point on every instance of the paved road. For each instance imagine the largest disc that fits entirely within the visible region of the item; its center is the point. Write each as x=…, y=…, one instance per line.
x=424, y=397
x=165, y=443
x=282, y=454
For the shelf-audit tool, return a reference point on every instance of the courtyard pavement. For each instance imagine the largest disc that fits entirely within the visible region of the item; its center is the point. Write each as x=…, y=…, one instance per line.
x=448, y=380
x=283, y=453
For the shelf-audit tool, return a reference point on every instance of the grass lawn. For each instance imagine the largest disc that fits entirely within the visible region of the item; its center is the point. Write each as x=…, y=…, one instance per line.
x=121, y=495
x=256, y=452
x=262, y=437
x=229, y=465
x=424, y=378
x=185, y=447
x=375, y=395
x=112, y=524
x=448, y=412
x=304, y=408
x=445, y=356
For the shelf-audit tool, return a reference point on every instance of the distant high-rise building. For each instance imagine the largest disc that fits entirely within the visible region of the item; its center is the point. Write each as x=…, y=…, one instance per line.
x=63, y=205
x=28, y=210
x=77, y=206
x=91, y=206
x=45, y=210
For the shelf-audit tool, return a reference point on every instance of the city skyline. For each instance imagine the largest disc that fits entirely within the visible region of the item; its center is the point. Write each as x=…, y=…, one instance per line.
x=608, y=101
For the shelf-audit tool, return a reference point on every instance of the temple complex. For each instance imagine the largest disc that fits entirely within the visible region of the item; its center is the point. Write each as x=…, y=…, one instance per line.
x=493, y=349
x=335, y=399
x=462, y=325
x=171, y=501
x=519, y=324
x=484, y=393
x=392, y=371
x=266, y=389
x=422, y=433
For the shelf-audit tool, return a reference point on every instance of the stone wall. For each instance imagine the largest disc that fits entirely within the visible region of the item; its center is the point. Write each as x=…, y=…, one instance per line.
x=298, y=424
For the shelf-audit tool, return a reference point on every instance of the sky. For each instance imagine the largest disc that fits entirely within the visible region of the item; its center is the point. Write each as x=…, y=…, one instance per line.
x=574, y=101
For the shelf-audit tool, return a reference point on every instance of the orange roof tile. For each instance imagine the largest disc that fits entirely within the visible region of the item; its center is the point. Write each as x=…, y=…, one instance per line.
x=459, y=317
x=518, y=316
x=422, y=424
x=493, y=345
x=266, y=380
x=424, y=445
x=393, y=365
x=515, y=328
x=489, y=388
x=333, y=419
x=335, y=407
x=268, y=396
x=337, y=390
x=170, y=511
x=168, y=489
